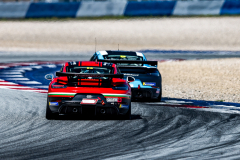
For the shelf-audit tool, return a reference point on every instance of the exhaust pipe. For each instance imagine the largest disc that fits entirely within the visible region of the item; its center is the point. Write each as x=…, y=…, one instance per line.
x=102, y=111
x=75, y=110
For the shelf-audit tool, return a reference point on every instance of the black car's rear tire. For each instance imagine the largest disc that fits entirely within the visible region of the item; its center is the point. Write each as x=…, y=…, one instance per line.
x=160, y=96
x=49, y=114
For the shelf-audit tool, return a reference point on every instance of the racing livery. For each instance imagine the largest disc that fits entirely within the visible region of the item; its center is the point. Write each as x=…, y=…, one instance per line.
x=88, y=88
x=148, y=80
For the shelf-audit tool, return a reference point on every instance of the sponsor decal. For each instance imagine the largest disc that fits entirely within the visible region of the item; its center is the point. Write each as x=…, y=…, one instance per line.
x=123, y=106
x=128, y=74
x=53, y=103
x=103, y=103
x=149, y=83
x=89, y=96
x=112, y=99
x=158, y=90
x=122, y=56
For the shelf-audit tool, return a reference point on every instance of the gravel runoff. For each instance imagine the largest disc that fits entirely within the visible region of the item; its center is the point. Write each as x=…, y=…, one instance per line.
x=195, y=33
x=215, y=79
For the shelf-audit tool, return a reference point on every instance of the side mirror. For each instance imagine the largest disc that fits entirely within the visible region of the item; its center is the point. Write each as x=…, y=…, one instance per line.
x=49, y=77
x=130, y=79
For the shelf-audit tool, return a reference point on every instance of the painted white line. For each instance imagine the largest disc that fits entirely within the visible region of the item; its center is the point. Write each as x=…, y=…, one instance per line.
x=12, y=75
x=4, y=67
x=17, y=79
x=157, y=103
x=175, y=101
x=37, y=67
x=29, y=82
x=224, y=106
x=4, y=87
x=50, y=66
x=15, y=70
x=25, y=68
x=7, y=83
x=35, y=91
x=20, y=87
x=40, y=87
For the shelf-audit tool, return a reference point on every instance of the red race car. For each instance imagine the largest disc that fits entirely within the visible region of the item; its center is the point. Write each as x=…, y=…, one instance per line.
x=89, y=88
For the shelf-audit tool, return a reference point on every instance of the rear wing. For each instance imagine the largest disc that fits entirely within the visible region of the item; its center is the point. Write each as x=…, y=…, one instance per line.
x=68, y=74
x=152, y=63
x=80, y=79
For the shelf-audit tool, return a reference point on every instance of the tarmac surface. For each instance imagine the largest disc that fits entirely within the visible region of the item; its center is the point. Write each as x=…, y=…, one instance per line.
x=158, y=130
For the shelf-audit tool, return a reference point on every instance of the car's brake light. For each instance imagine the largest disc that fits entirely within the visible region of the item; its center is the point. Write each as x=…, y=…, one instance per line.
x=56, y=101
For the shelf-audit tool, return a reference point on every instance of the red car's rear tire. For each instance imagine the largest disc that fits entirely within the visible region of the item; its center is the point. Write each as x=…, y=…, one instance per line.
x=128, y=115
x=49, y=114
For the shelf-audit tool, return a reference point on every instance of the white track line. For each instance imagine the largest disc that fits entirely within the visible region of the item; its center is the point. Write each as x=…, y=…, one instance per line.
x=17, y=79
x=30, y=82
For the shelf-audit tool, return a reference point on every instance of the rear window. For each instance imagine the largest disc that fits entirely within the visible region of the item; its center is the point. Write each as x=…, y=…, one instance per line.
x=123, y=57
x=146, y=71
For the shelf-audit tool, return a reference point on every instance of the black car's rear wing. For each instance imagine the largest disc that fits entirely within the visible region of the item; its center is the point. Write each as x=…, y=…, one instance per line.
x=69, y=74
x=152, y=63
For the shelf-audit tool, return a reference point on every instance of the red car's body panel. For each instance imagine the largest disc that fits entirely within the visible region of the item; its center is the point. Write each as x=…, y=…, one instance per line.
x=89, y=86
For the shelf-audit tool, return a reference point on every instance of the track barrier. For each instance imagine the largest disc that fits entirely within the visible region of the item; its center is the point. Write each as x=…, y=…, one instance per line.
x=118, y=8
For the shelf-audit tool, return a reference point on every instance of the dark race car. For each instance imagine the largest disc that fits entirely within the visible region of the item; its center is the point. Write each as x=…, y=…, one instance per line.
x=89, y=88
x=148, y=80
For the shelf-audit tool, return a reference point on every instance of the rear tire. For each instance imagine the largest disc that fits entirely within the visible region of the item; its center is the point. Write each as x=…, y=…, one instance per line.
x=49, y=114
x=159, y=98
x=128, y=115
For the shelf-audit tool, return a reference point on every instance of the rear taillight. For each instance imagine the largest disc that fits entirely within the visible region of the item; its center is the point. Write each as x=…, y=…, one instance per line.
x=56, y=101
x=58, y=85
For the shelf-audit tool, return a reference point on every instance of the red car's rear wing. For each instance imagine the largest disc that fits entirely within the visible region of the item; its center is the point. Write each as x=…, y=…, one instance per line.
x=153, y=63
x=80, y=79
x=69, y=74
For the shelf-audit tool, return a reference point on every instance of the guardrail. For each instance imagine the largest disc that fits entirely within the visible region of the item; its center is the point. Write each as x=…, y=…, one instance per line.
x=117, y=8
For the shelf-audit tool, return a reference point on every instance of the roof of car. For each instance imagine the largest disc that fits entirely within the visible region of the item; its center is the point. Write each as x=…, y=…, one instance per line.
x=131, y=53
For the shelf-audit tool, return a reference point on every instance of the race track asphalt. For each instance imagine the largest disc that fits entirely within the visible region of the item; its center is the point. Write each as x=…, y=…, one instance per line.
x=156, y=131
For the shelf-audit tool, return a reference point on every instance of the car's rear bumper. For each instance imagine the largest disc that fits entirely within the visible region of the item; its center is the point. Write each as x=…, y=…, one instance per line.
x=77, y=109
x=146, y=93
x=76, y=105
